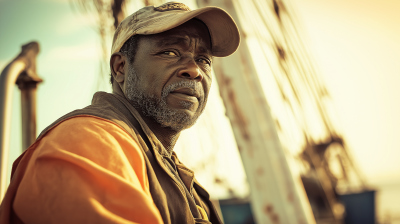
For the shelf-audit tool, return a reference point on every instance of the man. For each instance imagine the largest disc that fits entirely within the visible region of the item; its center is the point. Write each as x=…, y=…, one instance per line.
x=113, y=161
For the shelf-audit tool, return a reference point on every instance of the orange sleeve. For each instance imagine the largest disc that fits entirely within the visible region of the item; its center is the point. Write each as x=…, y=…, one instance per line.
x=86, y=170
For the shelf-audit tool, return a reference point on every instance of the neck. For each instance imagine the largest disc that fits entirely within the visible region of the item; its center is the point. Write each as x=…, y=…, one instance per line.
x=165, y=135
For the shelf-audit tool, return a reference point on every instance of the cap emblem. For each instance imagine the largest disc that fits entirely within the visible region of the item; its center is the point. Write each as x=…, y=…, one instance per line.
x=172, y=6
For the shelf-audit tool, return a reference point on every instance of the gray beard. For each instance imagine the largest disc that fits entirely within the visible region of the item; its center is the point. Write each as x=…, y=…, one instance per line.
x=157, y=108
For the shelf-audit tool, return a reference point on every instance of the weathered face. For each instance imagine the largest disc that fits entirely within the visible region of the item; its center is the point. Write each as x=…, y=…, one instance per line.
x=170, y=77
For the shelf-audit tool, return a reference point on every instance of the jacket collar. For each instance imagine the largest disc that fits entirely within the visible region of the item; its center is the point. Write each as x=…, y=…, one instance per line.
x=161, y=154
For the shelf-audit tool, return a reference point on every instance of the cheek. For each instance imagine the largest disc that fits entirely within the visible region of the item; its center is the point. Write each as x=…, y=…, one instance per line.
x=152, y=80
x=207, y=86
x=154, y=86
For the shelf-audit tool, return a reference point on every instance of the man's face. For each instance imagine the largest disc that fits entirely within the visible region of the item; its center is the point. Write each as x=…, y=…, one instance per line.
x=170, y=77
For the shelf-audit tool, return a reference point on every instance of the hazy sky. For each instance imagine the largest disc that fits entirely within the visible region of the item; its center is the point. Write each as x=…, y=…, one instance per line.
x=67, y=60
x=356, y=45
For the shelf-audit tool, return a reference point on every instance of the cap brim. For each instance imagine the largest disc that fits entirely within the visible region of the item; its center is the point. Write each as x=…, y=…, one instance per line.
x=224, y=33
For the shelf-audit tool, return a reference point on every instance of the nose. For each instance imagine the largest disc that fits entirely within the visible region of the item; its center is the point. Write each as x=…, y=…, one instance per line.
x=191, y=71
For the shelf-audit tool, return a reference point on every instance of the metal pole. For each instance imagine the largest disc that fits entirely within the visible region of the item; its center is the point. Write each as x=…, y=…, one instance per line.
x=28, y=86
x=23, y=64
x=273, y=191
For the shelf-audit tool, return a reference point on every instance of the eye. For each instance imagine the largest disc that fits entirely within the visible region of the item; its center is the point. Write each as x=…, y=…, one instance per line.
x=169, y=53
x=204, y=61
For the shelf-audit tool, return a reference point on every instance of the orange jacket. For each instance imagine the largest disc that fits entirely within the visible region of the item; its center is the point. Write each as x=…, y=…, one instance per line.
x=85, y=170
x=93, y=166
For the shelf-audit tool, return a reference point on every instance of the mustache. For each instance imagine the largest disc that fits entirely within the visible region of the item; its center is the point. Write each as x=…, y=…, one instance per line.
x=194, y=85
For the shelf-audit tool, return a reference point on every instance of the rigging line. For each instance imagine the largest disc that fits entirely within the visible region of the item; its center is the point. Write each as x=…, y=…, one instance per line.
x=353, y=165
x=316, y=100
x=283, y=57
x=315, y=79
x=277, y=44
x=299, y=42
x=282, y=91
x=253, y=21
x=314, y=93
x=242, y=9
x=275, y=39
x=288, y=102
x=264, y=22
x=300, y=67
x=292, y=56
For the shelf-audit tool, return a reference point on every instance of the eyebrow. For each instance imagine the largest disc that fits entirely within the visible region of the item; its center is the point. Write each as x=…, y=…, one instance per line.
x=178, y=41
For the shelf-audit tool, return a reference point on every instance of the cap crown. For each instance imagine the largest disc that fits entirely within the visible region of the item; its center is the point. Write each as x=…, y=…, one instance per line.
x=152, y=20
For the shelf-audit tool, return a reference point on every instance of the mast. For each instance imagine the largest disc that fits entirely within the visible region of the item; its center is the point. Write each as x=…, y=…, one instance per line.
x=274, y=195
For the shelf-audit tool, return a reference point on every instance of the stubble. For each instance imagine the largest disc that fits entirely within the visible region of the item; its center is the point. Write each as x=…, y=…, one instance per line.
x=157, y=108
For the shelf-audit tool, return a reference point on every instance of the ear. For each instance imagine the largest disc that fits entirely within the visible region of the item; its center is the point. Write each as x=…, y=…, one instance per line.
x=117, y=65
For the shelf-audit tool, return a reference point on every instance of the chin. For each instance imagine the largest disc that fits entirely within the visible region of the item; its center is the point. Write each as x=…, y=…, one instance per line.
x=179, y=121
x=176, y=117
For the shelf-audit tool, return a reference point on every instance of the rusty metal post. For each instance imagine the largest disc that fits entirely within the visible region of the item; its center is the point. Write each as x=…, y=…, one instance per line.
x=27, y=84
x=23, y=65
x=274, y=194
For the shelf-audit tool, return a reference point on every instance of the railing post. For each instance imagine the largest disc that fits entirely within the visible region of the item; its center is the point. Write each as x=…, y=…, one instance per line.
x=22, y=68
x=28, y=84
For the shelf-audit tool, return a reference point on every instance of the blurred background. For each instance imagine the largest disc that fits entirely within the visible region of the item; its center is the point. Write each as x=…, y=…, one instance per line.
x=352, y=49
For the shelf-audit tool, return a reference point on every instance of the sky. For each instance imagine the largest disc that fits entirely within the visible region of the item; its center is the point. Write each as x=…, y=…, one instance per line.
x=67, y=59
x=355, y=45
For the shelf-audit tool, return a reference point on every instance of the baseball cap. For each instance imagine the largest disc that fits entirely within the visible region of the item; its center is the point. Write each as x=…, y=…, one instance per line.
x=152, y=20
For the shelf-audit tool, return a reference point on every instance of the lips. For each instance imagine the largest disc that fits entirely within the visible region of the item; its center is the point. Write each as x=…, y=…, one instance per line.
x=187, y=91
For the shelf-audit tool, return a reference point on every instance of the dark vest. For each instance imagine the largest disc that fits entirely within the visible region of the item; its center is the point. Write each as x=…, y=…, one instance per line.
x=173, y=187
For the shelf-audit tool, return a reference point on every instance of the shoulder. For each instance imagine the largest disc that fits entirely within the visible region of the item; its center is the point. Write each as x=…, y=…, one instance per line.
x=86, y=131
x=92, y=141
x=87, y=125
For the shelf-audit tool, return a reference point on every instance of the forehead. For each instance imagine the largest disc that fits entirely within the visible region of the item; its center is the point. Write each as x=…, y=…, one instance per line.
x=191, y=32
